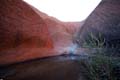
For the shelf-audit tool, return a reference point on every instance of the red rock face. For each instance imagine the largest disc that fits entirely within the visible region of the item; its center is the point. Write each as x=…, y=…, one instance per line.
x=21, y=27
x=26, y=33
x=62, y=33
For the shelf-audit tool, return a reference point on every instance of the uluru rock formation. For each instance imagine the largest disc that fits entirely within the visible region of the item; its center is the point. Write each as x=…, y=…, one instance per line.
x=26, y=33
x=30, y=40
x=21, y=28
x=104, y=21
x=61, y=32
x=20, y=25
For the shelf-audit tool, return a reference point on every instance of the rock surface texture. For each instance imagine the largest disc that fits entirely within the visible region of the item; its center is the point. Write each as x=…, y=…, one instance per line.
x=21, y=30
x=104, y=21
x=26, y=33
x=62, y=33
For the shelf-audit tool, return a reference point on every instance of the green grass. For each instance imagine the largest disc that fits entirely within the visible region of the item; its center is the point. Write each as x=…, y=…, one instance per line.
x=101, y=65
x=101, y=68
x=94, y=41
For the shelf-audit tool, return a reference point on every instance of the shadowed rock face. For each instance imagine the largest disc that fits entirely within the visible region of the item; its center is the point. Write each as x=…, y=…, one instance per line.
x=104, y=20
x=21, y=28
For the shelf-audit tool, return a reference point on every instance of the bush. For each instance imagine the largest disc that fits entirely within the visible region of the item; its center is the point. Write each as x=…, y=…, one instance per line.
x=101, y=68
